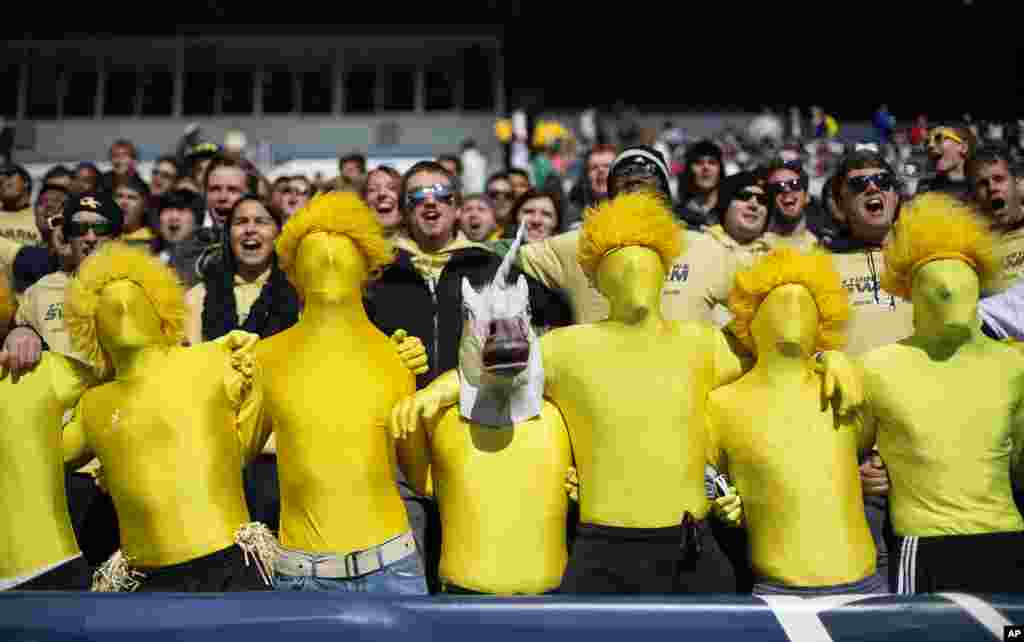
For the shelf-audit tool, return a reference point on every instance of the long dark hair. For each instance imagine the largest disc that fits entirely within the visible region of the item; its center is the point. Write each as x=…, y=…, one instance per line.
x=276, y=308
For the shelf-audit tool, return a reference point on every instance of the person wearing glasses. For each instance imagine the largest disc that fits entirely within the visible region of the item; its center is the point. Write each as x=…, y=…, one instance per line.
x=794, y=214
x=165, y=173
x=421, y=292
x=499, y=190
x=88, y=221
x=867, y=197
x=948, y=150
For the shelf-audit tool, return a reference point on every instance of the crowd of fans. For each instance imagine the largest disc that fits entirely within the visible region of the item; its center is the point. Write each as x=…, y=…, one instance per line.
x=211, y=215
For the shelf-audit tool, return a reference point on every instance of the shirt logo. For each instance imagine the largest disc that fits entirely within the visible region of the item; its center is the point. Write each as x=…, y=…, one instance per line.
x=89, y=201
x=680, y=272
x=115, y=419
x=1013, y=260
x=54, y=312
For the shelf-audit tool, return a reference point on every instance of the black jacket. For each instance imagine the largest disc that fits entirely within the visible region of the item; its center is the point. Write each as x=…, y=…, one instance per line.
x=402, y=299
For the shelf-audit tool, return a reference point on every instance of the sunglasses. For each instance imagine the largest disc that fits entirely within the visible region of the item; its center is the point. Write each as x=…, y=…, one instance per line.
x=500, y=194
x=792, y=185
x=883, y=181
x=441, y=193
x=747, y=194
x=99, y=228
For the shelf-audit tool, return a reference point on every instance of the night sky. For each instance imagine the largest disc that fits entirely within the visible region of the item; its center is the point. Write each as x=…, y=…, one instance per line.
x=942, y=57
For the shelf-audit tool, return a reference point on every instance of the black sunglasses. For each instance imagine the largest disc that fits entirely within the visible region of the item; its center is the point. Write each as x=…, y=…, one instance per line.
x=500, y=194
x=792, y=185
x=883, y=181
x=747, y=194
x=100, y=228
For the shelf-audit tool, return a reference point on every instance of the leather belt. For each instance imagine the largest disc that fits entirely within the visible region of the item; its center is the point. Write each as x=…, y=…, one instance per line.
x=355, y=564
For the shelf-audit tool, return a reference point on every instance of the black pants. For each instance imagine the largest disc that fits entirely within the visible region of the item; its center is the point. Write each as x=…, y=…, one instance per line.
x=262, y=492
x=455, y=589
x=607, y=559
x=75, y=575
x=988, y=563
x=220, y=572
x=93, y=518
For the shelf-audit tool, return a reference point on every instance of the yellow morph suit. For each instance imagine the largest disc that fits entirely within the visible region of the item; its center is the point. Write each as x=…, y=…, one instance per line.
x=633, y=388
x=502, y=499
x=163, y=429
x=793, y=463
x=947, y=404
x=36, y=529
x=331, y=381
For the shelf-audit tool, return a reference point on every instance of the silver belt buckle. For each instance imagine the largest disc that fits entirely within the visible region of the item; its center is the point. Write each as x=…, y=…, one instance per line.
x=352, y=571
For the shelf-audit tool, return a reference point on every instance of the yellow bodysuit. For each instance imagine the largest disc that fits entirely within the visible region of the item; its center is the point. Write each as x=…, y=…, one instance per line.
x=794, y=465
x=638, y=435
x=949, y=430
x=36, y=529
x=171, y=459
x=331, y=381
x=947, y=403
x=502, y=499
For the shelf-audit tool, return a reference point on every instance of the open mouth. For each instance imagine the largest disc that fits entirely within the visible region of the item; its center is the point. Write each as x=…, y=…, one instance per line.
x=998, y=204
x=251, y=245
x=506, y=357
x=874, y=205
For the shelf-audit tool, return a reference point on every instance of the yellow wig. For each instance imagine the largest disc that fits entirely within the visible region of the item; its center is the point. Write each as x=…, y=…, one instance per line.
x=936, y=226
x=342, y=213
x=634, y=219
x=116, y=261
x=783, y=266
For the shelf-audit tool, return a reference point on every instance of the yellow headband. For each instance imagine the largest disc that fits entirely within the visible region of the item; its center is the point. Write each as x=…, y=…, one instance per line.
x=947, y=133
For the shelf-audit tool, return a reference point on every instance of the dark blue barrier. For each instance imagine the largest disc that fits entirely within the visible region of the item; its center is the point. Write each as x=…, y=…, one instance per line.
x=285, y=616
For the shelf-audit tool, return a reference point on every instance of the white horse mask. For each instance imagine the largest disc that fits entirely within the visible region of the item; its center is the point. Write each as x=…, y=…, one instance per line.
x=501, y=374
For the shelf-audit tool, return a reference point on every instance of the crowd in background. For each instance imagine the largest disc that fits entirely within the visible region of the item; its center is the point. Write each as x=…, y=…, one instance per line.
x=209, y=213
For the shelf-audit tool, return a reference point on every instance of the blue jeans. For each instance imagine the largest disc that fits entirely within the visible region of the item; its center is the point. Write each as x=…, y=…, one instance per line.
x=404, y=577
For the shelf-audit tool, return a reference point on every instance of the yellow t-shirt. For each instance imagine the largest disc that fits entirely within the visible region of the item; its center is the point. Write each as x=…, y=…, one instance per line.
x=35, y=531
x=797, y=472
x=949, y=432
x=20, y=227
x=503, y=503
x=42, y=307
x=877, y=318
x=171, y=455
x=246, y=293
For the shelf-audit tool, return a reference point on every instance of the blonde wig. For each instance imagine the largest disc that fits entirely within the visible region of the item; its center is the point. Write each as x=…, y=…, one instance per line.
x=783, y=266
x=342, y=213
x=935, y=226
x=117, y=261
x=634, y=219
